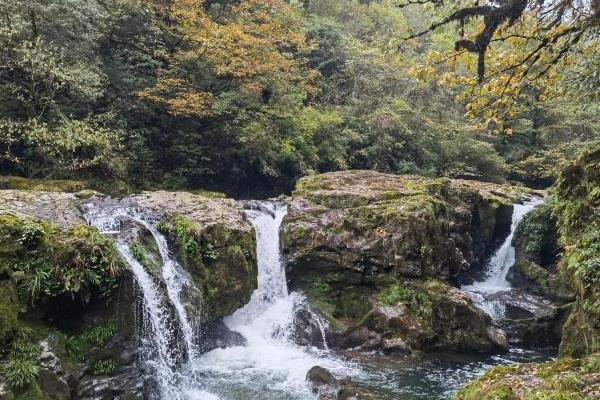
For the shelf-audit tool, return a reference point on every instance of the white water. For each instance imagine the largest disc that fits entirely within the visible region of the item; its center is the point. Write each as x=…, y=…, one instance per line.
x=156, y=326
x=485, y=293
x=270, y=366
x=157, y=332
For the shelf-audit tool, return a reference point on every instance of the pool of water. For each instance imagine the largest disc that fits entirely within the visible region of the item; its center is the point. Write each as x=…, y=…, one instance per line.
x=234, y=374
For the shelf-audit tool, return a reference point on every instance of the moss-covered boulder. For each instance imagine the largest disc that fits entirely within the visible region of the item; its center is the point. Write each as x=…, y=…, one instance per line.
x=355, y=240
x=567, y=378
x=398, y=316
x=537, y=252
x=576, y=204
x=215, y=244
x=413, y=226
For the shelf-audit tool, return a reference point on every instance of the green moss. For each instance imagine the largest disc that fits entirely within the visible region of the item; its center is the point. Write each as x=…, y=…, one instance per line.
x=47, y=262
x=220, y=259
x=18, y=183
x=397, y=294
x=9, y=311
x=563, y=379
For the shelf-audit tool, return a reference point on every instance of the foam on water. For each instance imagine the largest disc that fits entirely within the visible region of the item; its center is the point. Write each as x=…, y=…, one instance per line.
x=270, y=362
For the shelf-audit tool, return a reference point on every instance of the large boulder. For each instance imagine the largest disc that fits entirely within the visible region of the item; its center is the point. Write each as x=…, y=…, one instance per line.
x=351, y=237
x=414, y=226
x=214, y=243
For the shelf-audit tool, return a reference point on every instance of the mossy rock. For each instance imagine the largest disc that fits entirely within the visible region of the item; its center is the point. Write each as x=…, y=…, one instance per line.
x=43, y=185
x=425, y=315
x=411, y=225
x=565, y=378
x=221, y=260
x=9, y=311
x=47, y=261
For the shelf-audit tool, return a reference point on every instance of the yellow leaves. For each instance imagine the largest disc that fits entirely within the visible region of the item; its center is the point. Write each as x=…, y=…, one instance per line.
x=179, y=98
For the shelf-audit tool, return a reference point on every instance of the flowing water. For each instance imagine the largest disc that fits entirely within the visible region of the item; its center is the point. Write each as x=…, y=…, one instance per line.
x=271, y=366
x=488, y=294
x=160, y=338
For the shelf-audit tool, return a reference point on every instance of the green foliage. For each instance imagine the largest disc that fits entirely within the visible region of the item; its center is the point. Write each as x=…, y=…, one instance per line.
x=105, y=367
x=190, y=238
x=139, y=253
x=397, y=294
x=77, y=346
x=22, y=366
x=20, y=373
x=47, y=262
x=150, y=104
x=99, y=335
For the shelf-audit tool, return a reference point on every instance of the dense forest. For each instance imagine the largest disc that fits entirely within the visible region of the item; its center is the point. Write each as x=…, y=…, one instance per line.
x=245, y=97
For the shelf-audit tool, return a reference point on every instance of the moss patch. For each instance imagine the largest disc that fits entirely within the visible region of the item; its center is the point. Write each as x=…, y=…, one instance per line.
x=559, y=380
x=47, y=262
x=44, y=185
x=220, y=259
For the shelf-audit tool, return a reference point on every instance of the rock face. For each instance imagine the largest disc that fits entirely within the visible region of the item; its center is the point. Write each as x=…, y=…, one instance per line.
x=537, y=256
x=327, y=387
x=372, y=222
x=93, y=354
x=351, y=237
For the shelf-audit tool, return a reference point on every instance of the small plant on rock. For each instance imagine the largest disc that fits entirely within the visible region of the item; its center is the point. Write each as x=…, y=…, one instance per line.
x=105, y=367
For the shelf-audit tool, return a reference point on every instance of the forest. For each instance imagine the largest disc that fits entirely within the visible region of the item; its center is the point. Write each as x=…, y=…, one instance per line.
x=245, y=97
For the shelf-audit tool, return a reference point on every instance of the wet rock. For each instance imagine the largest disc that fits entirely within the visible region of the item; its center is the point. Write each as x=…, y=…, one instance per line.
x=327, y=387
x=544, y=330
x=218, y=336
x=394, y=346
x=323, y=383
x=537, y=252
x=373, y=223
x=309, y=328
x=351, y=236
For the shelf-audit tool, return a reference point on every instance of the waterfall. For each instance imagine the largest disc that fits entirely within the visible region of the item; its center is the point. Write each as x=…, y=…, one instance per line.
x=159, y=334
x=157, y=337
x=271, y=365
x=485, y=293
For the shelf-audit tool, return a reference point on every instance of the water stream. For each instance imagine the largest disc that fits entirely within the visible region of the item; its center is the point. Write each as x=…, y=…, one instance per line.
x=488, y=293
x=271, y=366
x=159, y=332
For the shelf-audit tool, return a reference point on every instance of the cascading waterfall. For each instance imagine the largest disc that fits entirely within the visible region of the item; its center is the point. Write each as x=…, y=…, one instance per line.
x=158, y=330
x=485, y=293
x=270, y=365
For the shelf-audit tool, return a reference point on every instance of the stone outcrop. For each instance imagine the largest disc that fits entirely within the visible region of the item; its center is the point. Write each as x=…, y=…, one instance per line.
x=327, y=387
x=211, y=238
x=352, y=237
